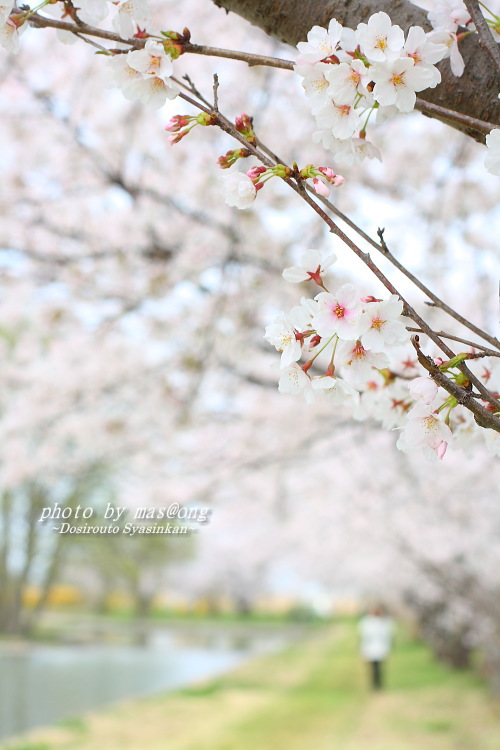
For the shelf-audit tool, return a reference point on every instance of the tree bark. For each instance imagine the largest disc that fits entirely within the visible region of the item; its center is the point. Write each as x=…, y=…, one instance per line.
x=474, y=94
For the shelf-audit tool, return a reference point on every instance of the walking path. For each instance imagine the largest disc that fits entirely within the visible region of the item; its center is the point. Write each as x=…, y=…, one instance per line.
x=312, y=696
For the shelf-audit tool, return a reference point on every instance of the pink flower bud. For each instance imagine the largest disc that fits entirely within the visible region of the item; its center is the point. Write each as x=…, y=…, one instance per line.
x=423, y=389
x=177, y=123
x=321, y=188
x=255, y=172
x=327, y=172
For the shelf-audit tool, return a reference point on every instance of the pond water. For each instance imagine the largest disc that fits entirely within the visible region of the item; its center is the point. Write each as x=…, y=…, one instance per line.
x=41, y=684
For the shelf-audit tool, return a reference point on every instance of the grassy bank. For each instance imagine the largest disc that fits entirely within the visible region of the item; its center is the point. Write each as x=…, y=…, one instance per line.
x=313, y=696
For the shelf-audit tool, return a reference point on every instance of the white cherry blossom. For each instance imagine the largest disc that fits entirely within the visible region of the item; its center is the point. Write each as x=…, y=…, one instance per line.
x=294, y=380
x=336, y=389
x=130, y=14
x=396, y=82
x=357, y=362
x=281, y=335
x=381, y=324
x=10, y=33
x=379, y=39
x=450, y=41
x=313, y=264
x=492, y=161
x=341, y=120
x=151, y=60
x=424, y=52
x=321, y=43
x=315, y=84
x=347, y=81
x=239, y=190
x=425, y=428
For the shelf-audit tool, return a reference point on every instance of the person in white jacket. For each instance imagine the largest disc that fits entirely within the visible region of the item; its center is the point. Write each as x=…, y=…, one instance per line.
x=376, y=632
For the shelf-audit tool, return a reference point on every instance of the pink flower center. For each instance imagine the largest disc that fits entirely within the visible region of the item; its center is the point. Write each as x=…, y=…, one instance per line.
x=339, y=311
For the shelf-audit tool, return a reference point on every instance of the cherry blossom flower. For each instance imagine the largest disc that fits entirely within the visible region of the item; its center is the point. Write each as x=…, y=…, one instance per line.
x=492, y=161
x=281, y=335
x=448, y=14
x=315, y=84
x=313, y=265
x=301, y=315
x=379, y=39
x=341, y=120
x=10, y=32
x=424, y=428
x=450, y=41
x=130, y=13
x=423, y=390
x=350, y=151
x=140, y=86
x=381, y=324
x=347, y=81
x=338, y=313
x=321, y=43
x=239, y=190
x=294, y=380
x=152, y=60
x=396, y=82
x=357, y=362
x=424, y=52
x=336, y=389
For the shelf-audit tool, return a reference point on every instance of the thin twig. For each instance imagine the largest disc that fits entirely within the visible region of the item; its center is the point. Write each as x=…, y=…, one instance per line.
x=247, y=57
x=216, y=89
x=486, y=39
x=435, y=300
x=485, y=352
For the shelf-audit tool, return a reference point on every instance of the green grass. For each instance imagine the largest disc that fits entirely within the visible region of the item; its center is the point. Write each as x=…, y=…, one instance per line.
x=314, y=695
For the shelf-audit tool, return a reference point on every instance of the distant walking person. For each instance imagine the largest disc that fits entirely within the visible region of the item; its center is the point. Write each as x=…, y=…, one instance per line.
x=376, y=633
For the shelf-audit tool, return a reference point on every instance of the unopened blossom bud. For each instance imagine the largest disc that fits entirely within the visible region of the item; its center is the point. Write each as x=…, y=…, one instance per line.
x=231, y=157
x=334, y=179
x=243, y=125
x=321, y=188
x=370, y=298
x=243, y=122
x=255, y=172
x=177, y=137
x=177, y=122
x=423, y=389
x=314, y=341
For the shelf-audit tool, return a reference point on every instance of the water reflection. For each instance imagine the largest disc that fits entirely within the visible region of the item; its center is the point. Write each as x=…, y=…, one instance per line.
x=42, y=684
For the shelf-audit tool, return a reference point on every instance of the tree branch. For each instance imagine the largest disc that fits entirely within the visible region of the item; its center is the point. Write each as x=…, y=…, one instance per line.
x=486, y=38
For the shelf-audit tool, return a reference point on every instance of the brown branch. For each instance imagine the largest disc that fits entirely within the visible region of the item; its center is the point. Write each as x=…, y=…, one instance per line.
x=485, y=352
x=450, y=116
x=486, y=38
x=433, y=110
x=482, y=416
x=247, y=57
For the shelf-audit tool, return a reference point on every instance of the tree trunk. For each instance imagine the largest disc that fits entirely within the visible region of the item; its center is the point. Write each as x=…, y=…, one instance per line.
x=474, y=94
